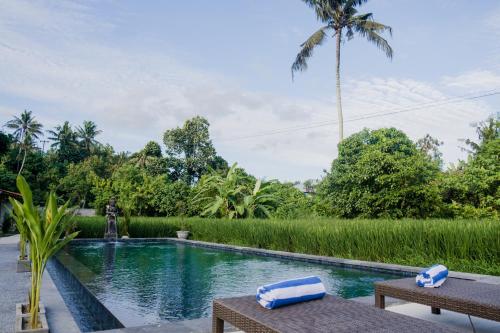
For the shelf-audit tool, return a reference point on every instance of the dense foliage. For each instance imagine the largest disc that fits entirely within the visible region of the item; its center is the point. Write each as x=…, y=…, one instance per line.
x=381, y=173
x=234, y=195
x=378, y=174
x=462, y=245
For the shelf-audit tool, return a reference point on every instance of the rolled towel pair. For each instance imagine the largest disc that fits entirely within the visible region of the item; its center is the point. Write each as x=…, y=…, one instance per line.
x=432, y=277
x=287, y=292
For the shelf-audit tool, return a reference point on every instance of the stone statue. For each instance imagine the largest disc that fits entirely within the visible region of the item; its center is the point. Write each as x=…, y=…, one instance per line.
x=111, y=214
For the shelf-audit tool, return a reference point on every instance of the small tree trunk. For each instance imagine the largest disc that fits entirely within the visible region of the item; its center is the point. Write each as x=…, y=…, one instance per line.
x=22, y=164
x=339, y=98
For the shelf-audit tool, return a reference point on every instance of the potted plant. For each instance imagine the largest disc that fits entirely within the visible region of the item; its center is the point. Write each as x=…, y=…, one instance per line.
x=181, y=208
x=23, y=263
x=45, y=230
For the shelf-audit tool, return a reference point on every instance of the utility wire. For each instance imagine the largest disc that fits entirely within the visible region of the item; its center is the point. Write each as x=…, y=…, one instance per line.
x=366, y=116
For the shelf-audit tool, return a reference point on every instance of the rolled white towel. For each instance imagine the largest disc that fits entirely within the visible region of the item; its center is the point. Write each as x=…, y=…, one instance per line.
x=432, y=277
x=288, y=292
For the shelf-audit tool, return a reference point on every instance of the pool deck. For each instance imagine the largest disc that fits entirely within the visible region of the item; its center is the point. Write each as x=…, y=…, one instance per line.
x=14, y=287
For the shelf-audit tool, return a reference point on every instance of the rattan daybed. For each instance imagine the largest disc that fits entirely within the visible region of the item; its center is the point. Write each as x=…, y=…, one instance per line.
x=330, y=314
x=464, y=296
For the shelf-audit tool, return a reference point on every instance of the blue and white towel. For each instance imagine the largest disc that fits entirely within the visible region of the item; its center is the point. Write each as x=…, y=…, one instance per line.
x=287, y=292
x=432, y=277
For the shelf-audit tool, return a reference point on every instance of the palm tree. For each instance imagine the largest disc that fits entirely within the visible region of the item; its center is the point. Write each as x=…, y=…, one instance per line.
x=63, y=136
x=26, y=130
x=87, y=134
x=342, y=21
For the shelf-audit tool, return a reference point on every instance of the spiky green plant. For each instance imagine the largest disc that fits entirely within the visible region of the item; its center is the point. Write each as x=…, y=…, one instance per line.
x=45, y=231
x=22, y=227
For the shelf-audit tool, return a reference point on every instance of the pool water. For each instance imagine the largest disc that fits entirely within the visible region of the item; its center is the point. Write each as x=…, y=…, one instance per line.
x=149, y=282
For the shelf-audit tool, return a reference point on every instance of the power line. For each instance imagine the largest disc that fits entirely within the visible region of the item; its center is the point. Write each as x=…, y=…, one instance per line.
x=367, y=116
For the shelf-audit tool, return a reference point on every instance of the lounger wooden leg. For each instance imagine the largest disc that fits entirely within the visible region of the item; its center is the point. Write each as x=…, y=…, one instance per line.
x=379, y=300
x=217, y=325
x=435, y=310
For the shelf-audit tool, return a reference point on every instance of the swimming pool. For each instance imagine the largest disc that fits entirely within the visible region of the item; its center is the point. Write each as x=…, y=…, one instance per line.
x=149, y=282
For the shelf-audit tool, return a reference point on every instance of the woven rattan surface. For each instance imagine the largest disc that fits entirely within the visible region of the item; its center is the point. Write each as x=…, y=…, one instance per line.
x=465, y=296
x=330, y=314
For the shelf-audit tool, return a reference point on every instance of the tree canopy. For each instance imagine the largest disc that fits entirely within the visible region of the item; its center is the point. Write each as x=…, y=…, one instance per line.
x=378, y=173
x=381, y=173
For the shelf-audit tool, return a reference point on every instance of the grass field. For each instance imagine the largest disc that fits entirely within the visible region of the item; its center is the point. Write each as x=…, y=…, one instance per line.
x=462, y=245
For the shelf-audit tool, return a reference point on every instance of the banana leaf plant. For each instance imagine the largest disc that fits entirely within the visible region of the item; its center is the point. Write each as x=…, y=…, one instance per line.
x=22, y=227
x=221, y=195
x=260, y=202
x=45, y=231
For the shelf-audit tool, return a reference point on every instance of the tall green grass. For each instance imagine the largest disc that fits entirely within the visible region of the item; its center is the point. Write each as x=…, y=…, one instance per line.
x=462, y=245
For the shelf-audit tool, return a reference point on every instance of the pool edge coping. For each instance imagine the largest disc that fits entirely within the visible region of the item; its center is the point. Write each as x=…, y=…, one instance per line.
x=339, y=262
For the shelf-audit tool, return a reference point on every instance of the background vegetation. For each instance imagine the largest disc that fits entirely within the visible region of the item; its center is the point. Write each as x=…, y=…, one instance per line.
x=462, y=245
x=377, y=174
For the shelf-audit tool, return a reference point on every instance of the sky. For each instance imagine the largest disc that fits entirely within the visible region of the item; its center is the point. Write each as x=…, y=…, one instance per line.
x=138, y=68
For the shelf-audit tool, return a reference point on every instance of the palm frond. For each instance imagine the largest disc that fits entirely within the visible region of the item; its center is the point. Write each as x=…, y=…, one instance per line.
x=354, y=3
x=370, y=30
x=317, y=38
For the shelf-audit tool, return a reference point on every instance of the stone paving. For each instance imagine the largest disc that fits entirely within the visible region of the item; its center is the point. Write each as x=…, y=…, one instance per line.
x=13, y=286
x=14, y=289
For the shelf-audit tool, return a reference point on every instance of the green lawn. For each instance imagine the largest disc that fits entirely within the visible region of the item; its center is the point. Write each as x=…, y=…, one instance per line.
x=462, y=245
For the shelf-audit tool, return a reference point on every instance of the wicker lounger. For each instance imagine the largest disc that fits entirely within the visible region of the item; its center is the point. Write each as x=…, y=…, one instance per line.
x=464, y=296
x=330, y=314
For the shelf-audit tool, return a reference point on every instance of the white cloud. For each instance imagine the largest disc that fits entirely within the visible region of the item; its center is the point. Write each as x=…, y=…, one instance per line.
x=64, y=72
x=478, y=79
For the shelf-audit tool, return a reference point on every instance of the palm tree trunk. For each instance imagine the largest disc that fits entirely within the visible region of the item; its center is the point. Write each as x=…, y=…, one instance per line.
x=339, y=98
x=22, y=164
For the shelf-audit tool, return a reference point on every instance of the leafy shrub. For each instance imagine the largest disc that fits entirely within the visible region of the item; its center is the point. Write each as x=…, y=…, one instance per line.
x=472, y=190
x=381, y=173
x=292, y=203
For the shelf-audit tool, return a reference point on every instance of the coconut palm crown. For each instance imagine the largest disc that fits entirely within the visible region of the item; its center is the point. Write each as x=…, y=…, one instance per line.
x=87, y=134
x=26, y=130
x=341, y=21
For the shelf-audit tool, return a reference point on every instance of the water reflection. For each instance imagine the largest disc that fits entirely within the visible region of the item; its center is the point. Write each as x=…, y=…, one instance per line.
x=109, y=261
x=146, y=283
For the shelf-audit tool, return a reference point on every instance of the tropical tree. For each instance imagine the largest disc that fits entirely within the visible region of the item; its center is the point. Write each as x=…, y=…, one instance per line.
x=87, y=134
x=381, y=173
x=26, y=130
x=5, y=142
x=147, y=156
x=62, y=135
x=472, y=188
x=189, y=148
x=65, y=141
x=234, y=195
x=486, y=131
x=430, y=146
x=221, y=195
x=341, y=21
x=261, y=201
